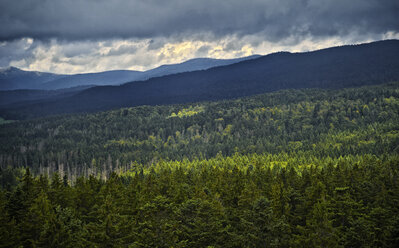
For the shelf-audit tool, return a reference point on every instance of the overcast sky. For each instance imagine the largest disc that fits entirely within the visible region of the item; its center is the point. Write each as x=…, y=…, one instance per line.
x=76, y=36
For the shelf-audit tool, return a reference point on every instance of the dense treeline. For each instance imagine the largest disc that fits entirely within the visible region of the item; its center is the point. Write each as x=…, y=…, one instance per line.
x=315, y=122
x=239, y=201
x=296, y=168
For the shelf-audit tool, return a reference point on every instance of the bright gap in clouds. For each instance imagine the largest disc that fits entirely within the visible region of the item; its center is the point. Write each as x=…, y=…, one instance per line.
x=78, y=36
x=143, y=54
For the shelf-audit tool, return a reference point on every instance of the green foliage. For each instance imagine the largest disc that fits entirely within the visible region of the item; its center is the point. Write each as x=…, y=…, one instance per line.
x=187, y=112
x=238, y=201
x=319, y=122
x=3, y=121
x=304, y=168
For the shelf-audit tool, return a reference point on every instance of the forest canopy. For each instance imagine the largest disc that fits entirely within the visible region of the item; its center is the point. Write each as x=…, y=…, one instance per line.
x=294, y=168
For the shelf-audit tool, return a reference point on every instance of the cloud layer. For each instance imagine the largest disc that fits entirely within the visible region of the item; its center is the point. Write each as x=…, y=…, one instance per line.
x=274, y=19
x=76, y=36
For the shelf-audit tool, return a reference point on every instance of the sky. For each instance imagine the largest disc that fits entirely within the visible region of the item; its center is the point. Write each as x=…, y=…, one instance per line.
x=78, y=36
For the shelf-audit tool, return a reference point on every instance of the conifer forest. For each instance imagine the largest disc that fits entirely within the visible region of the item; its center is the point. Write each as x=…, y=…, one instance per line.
x=290, y=168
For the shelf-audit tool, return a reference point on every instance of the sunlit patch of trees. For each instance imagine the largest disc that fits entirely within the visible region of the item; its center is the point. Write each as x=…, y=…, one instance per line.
x=311, y=122
x=296, y=168
x=187, y=112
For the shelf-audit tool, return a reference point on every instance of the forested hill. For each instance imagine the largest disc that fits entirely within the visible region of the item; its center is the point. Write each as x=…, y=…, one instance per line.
x=311, y=122
x=294, y=168
x=337, y=67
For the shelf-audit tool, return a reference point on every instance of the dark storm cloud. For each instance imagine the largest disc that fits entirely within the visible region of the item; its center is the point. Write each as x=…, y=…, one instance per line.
x=273, y=19
x=15, y=51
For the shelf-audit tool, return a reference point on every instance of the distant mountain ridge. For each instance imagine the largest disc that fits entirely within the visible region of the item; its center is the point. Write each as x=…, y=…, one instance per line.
x=13, y=78
x=193, y=65
x=337, y=67
x=95, y=79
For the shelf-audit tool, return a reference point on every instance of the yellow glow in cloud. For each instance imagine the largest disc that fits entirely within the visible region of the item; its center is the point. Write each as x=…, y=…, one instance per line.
x=247, y=50
x=136, y=54
x=216, y=52
x=177, y=52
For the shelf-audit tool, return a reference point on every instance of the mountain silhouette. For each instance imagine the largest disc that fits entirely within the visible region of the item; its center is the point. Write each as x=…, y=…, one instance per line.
x=337, y=67
x=13, y=78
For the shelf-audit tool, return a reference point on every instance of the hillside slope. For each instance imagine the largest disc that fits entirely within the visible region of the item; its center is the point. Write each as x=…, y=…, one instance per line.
x=13, y=78
x=337, y=67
